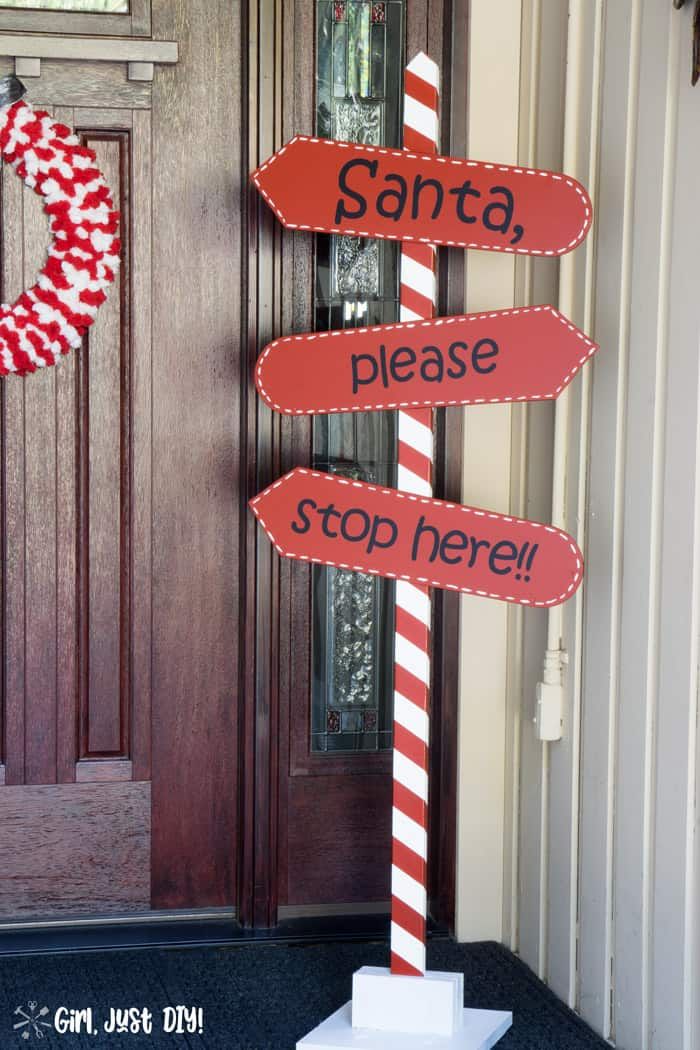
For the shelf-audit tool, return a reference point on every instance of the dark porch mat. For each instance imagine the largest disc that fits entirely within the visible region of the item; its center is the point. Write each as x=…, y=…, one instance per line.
x=260, y=997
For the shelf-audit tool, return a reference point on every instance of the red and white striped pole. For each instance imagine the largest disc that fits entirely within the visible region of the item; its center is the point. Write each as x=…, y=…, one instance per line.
x=412, y=636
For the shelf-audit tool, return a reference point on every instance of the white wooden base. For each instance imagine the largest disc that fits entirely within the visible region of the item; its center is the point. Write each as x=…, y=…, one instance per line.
x=481, y=1029
x=389, y=1002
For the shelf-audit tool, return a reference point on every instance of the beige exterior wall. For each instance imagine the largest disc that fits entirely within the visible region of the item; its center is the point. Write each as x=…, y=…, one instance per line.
x=594, y=839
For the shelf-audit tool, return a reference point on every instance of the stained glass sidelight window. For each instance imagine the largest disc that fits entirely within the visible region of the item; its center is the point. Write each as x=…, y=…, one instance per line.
x=359, y=80
x=105, y=7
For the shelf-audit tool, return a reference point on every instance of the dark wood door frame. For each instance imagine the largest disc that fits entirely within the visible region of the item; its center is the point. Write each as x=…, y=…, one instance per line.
x=277, y=298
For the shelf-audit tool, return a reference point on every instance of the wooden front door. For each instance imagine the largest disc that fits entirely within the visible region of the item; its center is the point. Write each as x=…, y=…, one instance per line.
x=121, y=493
x=184, y=723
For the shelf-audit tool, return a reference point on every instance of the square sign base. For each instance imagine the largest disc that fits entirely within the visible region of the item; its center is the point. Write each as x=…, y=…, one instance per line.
x=481, y=1029
x=431, y=1005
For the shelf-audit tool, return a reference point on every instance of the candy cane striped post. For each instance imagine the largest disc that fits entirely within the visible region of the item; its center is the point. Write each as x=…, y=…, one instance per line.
x=412, y=635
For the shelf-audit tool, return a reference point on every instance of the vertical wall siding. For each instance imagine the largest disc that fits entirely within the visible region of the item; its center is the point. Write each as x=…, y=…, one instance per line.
x=609, y=914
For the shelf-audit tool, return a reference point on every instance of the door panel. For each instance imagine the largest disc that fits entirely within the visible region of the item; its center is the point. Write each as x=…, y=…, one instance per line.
x=339, y=844
x=74, y=850
x=70, y=693
x=67, y=522
x=104, y=504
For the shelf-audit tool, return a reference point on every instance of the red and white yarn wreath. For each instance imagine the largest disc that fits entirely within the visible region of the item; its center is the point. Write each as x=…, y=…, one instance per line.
x=52, y=317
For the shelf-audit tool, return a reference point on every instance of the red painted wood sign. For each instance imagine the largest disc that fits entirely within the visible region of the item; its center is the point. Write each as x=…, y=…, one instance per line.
x=368, y=191
x=508, y=355
x=323, y=518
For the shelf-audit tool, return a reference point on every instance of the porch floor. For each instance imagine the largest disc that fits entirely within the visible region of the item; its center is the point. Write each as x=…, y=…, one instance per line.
x=261, y=996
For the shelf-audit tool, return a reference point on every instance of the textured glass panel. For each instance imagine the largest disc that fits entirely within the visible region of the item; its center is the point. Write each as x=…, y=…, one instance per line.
x=358, y=93
x=378, y=59
x=351, y=722
x=114, y=7
x=324, y=67
x=353, y=613
x=340, y=72
x=355, y=268
x=358, y=122
x=356, y=262
x=358, y=48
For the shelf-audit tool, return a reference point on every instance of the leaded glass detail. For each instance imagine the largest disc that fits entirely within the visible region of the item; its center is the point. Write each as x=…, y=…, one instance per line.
x=359, y=79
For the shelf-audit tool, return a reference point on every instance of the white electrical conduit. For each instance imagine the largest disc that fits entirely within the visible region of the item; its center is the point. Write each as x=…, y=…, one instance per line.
x=567, y=278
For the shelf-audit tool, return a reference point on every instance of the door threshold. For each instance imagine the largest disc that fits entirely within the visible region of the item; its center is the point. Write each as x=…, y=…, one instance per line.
x=139, y=917
x=196, y=932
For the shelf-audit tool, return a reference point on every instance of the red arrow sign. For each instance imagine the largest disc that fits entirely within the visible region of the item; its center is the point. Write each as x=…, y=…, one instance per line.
x=335, y=521
x=508, y=355
x=367, y=191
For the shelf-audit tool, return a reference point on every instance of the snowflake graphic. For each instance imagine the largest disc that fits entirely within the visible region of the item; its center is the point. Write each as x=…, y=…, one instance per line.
x=32, y=1022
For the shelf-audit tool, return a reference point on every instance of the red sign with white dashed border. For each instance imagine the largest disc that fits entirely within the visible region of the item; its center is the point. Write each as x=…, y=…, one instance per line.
x=330, y=520
x=509, y=355
x=368, y=191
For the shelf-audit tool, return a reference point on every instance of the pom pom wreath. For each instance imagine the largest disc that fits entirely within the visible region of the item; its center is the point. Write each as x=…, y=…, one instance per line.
x=52, y=317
